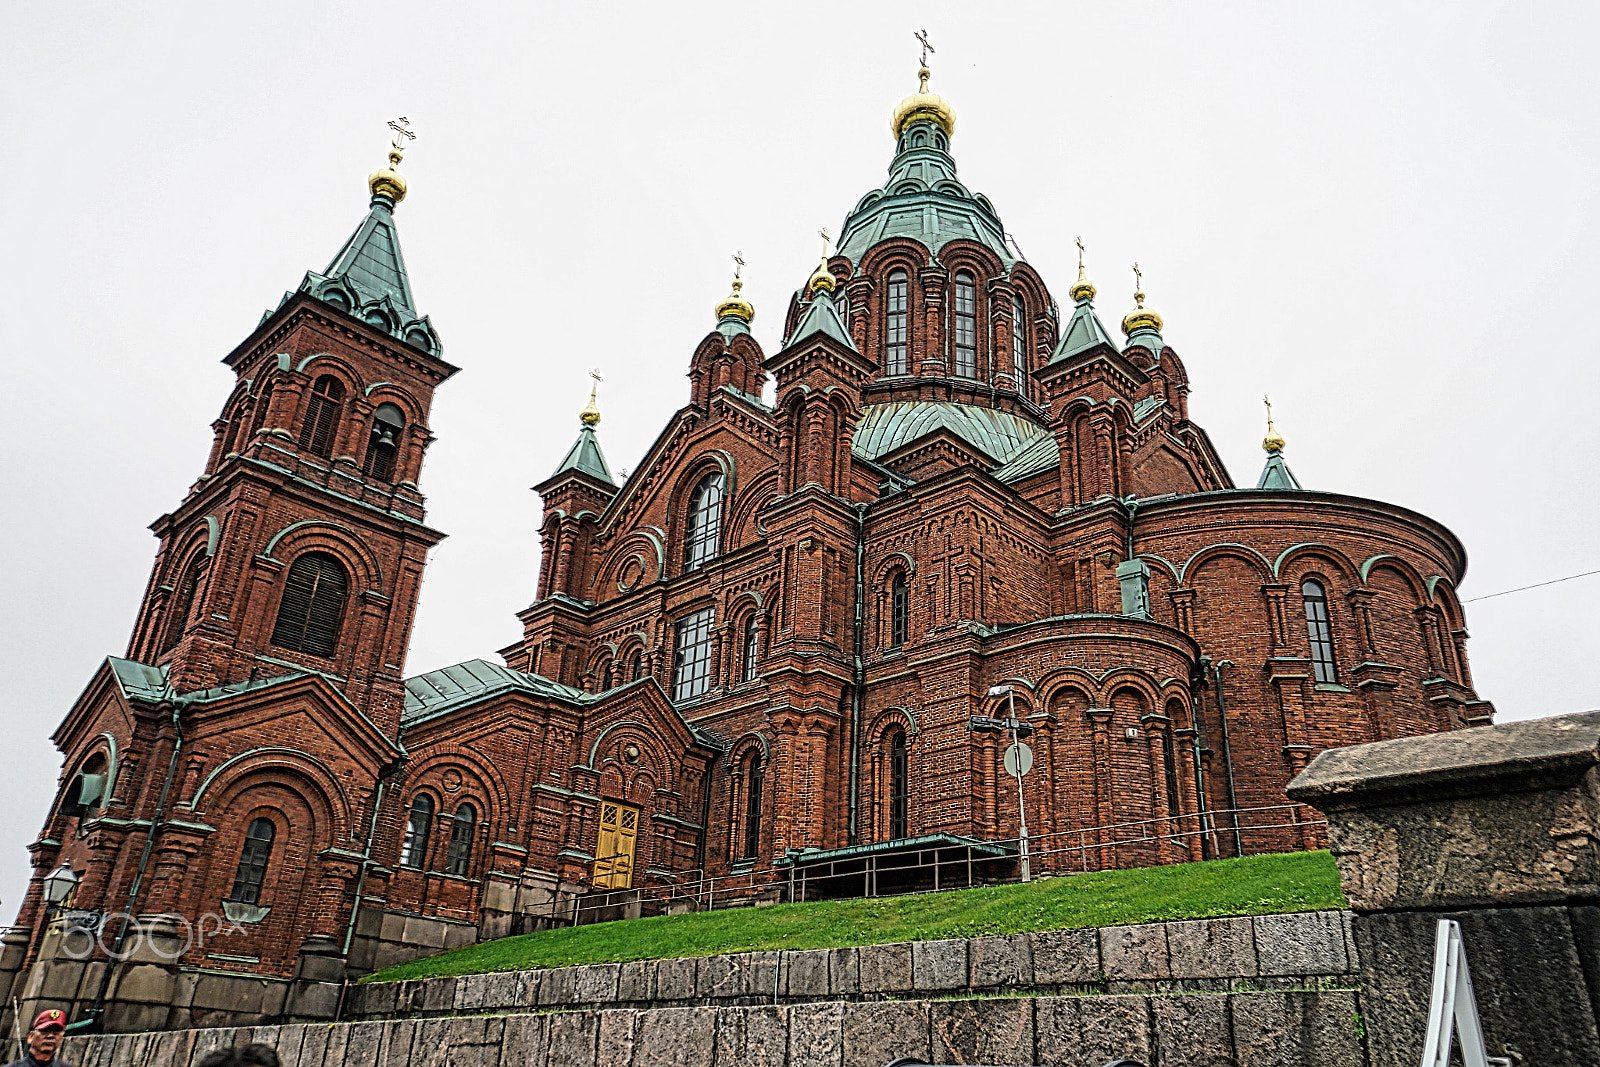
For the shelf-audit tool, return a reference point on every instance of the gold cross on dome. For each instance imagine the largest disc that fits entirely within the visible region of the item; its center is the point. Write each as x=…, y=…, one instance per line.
x=922, y=35
x=823, y=233
x=1138, y=287
x=402, y=132
x=1267, y=400
x=1080, y=255
x=595, y=374
x=738, y=264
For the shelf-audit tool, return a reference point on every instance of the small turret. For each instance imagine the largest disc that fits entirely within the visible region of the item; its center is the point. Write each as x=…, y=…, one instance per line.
x=1276, y=474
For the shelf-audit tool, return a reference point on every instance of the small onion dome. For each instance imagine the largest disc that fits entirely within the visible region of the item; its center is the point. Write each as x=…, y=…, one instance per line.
x=822, y=279
x=590, y=415
x=1083, y=288
x=1274, y=441
x=387, y=182
x=923, y=105
x=736, y=305
x=1140, y=317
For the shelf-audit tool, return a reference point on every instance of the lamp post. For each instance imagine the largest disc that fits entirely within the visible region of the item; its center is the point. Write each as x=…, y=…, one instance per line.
x=1019, y=761
x=57, y=885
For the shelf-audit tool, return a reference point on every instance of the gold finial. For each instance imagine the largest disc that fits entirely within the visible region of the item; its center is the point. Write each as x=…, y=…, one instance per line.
x=1083, y=288
x=590, y=416
x=735, y=304
x=1140, y=316
x=1274, y=441
x=923, y=104
x=823, y=278
x=387, y=181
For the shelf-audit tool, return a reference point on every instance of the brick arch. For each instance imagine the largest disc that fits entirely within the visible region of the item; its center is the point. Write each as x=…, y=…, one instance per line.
x=224, y=781
x=896, y=716
x=390, y=393
x=335, y=538
x=1229, y=549
x=643, y=543
x=742, y=516
x=292, y=882
x=1293, y=556
x=884, y=256
x=491, y=783
x=681, y=493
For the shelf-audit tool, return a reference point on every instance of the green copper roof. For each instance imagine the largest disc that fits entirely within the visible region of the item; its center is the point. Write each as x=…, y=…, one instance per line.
x=922, y=200
x=1043, y=455
x=821, y=317
x=443, y=690
x=1000, y=435
x=1084, y=331
x=586, y=457
x=368, y=280
x=1146, y=337
x=731, y=326
x=139, y=681
x=1276, y=474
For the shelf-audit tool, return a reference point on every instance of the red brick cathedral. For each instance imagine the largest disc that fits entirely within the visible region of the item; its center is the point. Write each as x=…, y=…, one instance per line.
x=761, y=667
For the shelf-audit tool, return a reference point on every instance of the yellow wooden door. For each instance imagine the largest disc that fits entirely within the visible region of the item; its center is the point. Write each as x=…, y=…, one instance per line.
x=613, y=852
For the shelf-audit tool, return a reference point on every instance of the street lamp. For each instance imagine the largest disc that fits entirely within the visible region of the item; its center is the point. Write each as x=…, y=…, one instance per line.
x=57, y=884
x=1019, y=759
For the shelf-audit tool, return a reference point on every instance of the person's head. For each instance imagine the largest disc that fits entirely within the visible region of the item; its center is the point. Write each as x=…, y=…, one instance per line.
x=249, y=1056
x=44, y=1036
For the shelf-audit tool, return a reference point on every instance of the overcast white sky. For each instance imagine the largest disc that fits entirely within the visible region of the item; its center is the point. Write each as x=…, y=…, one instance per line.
x=1382, y=214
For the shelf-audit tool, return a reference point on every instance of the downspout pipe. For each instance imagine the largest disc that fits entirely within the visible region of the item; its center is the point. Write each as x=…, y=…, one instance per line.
x=386, y=772
x=90, y=1023
x=858, y=672
x=1227, y=757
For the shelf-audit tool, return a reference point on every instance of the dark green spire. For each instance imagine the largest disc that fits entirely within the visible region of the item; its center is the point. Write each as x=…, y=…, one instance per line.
x=586, y=458
x=1084, y=329
x=820, y=316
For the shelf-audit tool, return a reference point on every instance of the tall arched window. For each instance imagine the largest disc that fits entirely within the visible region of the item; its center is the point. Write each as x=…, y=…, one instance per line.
x=253, y=863
x=608, y=677
x=899, y=786
x=312, y=605
x=966, y=326
x=899, y=605
x=752, y=808
x=896, y=338
x=636, y=667
x=691, y=668
x=1319, y=631
x=752, y=648
x=1022, y=343
x=322, y=416
x=387, y=423
x=414, y=846
x=183, y=602
x=705, y=522
x=461, y=840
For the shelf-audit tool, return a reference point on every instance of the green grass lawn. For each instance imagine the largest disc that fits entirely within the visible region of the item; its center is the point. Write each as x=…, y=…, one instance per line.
x=1256, y=885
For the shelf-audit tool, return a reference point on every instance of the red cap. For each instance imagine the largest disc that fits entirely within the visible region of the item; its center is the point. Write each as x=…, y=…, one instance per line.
x=50, y=1020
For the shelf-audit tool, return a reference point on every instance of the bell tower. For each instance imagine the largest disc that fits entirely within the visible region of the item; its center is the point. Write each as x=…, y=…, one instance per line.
x=302, y=544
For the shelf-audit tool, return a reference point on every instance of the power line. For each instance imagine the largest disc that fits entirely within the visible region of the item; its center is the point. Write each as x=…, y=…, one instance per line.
x=1535, y=585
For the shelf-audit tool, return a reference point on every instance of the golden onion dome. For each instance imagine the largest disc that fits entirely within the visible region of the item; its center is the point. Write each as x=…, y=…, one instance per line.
x=1274, y=441
x=736, y=305
x=590, y=415
x=923, y=105
x=387, y=182
x=822, y=279
x=1140, y=316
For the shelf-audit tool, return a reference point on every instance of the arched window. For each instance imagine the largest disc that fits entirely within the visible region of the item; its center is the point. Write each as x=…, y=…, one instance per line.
x=414, y=846
x=183, y=602
x=691, y=668
x=387, y=423
x=253, y=863
x=752, y=808
x=636, y=667
x=705, y=522
x=258, y=417
x=966, y=326
x=322, y=416
x=898, y=610
x=896, y=338
x=461, y=840
x=752, y=648
x=608, y=677
x=1022, y=342
x=312, y=605
x=1320, y=632
x=899, y=786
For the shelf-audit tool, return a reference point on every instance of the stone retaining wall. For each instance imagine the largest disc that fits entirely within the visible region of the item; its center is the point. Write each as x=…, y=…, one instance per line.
x=1259, y=1029
x=1206, y=955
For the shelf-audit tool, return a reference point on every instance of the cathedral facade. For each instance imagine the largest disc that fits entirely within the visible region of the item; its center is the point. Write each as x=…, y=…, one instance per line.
x=784, y=658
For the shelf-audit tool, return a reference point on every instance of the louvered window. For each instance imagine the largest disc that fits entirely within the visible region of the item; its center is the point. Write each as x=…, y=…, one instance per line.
x=752, y=648
x=183, y=603
x=461, y=840
x=897, y=359
x=898, y=610
x=1320, y=632
x=322, y=416
x=752, y=808
x=966, y=326
x=705, y=522
x=899, y=786
x=691, y=672
x=312, y=605
x=253, y=863
x=384, y=443
x=414, y=847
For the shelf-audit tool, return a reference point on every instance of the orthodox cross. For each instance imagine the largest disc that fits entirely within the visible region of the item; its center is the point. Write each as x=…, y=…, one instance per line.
x=1138, y=286
x=1080, y=255
x=1267, y=400
x=738, y=264
x=922, y=35
x=402, y=129
x=823, y=233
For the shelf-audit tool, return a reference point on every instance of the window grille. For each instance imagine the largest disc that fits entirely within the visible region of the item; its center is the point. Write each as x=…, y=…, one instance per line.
x=897, y=360
x=312, y=605
x=1320, y=632
x=705, y=522
x=461, y=840
x=253, y=863
x=414, y=848
x=691, y=669
x=322, y=416
x=966, y=326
